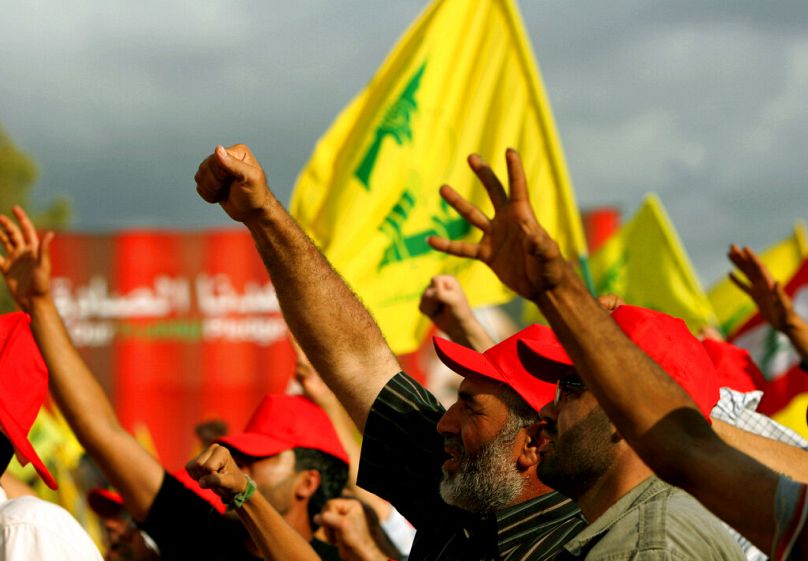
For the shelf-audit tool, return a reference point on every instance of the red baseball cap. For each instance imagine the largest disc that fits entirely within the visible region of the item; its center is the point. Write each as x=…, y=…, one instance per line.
x=663, y=338
x=499, y=363
x=105, y=502
x=734, y=367
x=23, y=387
x=282, y=422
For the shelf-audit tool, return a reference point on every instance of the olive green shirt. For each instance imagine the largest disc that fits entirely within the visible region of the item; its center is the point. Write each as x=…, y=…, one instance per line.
x=654, y=521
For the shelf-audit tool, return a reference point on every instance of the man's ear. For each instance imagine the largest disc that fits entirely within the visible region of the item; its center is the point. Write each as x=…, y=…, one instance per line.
x=529, y=453
x=306, y=483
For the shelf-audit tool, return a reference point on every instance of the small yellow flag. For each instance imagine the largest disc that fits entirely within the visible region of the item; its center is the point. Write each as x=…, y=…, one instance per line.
x=734, y=308
x=646, y=265
x=462, y=79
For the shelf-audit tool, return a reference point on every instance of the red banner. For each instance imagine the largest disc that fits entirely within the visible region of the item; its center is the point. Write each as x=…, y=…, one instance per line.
x=178, y=327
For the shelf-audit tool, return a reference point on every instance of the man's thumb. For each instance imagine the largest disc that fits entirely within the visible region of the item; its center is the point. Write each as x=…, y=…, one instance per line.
x=232, y=162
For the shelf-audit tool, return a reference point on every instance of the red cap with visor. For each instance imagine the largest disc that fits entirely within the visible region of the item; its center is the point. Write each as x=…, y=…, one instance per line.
x=665, y=339
x=282, y=422
x=499, y=363
x=23, y=388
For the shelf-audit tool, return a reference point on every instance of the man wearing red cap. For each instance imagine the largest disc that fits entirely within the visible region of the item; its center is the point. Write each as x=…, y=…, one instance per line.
x=123, y=539
x=482, y=462
x=290, y=452
x=30, y=529
x=626, y=361
x=298, y=471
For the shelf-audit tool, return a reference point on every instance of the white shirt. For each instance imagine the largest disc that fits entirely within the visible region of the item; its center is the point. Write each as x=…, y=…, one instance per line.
x=35, y=530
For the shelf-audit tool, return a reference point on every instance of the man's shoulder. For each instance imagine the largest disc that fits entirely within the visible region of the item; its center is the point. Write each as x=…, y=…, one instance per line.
x=657, y=518
x=672, y=520
x=47, y=527
x=34, y=510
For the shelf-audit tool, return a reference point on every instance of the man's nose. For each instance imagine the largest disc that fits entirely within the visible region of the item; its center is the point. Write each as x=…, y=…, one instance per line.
x=549, y=413
x=448, y=423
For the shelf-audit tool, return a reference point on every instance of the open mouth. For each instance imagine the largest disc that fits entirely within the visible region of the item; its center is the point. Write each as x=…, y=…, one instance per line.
x=453, y=457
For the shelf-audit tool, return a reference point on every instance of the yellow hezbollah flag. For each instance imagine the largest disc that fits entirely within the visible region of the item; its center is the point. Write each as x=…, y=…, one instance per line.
x=732, y=307
x=462, y=79
x=646, y=265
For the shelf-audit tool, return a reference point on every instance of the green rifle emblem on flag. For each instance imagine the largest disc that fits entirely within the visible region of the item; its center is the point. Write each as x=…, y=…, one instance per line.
x=396, y=123
x=404, y=247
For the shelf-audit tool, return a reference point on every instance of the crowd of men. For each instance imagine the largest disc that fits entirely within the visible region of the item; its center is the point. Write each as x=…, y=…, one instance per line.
x=611, y=434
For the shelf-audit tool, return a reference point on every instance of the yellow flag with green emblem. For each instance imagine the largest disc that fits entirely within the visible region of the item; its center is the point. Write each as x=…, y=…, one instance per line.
x=646, y=265
x=462, y=79
x=732, y=306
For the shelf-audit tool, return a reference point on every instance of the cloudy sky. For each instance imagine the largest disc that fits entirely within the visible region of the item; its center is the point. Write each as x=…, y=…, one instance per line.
x=703, y=103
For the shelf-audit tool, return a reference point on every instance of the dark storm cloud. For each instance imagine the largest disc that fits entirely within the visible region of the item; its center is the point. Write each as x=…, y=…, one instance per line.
x=701, y=102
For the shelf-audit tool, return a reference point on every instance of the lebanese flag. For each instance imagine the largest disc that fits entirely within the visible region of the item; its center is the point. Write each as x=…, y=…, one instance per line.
x=785, y=391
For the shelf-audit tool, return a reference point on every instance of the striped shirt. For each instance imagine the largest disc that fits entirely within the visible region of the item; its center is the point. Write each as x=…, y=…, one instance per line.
x=402, y=454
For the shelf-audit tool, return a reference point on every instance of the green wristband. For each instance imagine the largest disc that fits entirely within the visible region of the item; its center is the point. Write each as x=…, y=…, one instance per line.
x=239, y=500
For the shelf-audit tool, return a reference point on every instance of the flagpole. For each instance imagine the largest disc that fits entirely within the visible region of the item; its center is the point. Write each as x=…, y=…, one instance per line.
x=583, y=262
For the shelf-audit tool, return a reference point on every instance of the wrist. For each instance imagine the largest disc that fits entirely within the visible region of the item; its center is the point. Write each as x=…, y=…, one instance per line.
x=567, y=292
x=792, y=323
x=238, y=500
x=258, y=217
x=40, y=302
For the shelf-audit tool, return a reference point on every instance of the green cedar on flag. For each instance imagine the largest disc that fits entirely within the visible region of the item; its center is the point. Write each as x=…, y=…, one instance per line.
x=462, y=79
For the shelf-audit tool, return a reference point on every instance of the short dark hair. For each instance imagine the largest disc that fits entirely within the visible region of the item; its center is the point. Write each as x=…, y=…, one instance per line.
x=520, y=413
x=6, y=452
x=333, y=477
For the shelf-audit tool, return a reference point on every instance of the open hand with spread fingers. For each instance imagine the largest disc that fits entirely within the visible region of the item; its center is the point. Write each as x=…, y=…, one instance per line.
x=514, y=245
x=769, y=295
x=26, y=265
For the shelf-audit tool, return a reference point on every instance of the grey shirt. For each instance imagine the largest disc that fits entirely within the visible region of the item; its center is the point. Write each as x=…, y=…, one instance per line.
x=654, y=521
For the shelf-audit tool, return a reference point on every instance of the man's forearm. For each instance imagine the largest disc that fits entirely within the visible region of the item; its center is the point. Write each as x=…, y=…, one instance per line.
x=85, y=406
x=332, y=326
x=630, y=387
x=776, y=455
x=470, y=333
x=797, y=332
x=274, y=538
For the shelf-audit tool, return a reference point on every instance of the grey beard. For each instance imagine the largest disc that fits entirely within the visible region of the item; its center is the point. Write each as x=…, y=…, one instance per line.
x=488, y=482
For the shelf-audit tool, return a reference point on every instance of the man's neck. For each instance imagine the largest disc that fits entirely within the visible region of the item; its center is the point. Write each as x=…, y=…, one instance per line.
x=533, y=489
x=625, y=474
x=298, y=518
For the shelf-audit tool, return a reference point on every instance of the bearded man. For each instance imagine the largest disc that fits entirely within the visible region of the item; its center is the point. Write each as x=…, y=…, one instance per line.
x=481, y=498
x=402, y=448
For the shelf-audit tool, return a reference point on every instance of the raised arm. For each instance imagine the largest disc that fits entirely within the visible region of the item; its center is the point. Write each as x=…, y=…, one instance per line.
x=770, y=297
x=444, y=302
x=317, y=391
x=26, y=269
x=650, y=410
x=274, y=538
x=332, y=326
x=778, y=456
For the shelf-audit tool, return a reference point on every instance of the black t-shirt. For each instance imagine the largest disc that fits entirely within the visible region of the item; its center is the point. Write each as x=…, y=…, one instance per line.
x=185, y=526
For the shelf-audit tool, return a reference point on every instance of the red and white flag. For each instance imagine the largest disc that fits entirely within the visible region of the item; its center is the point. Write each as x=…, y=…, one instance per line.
x=785, y=396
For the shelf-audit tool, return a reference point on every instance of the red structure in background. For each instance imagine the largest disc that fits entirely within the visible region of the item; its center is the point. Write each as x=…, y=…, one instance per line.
x=178, y=327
